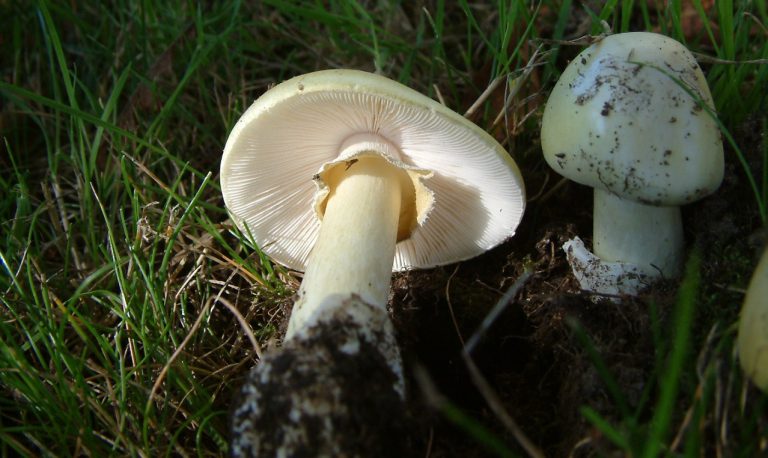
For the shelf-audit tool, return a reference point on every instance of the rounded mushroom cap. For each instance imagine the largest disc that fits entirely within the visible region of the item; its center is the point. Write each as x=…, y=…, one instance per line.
x=752, y=338
x=271, y=171
x=620, y=119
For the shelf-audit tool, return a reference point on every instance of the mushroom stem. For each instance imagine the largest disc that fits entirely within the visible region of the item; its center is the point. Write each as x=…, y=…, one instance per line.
x=307, y=396
x=646, y=236
x=356, y=246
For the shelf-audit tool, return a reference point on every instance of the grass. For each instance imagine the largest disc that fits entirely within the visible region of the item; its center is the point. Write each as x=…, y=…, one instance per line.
x=120, y=271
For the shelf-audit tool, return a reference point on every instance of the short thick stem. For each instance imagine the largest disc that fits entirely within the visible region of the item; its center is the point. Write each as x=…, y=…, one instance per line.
x=356, y=246
x=646, y=236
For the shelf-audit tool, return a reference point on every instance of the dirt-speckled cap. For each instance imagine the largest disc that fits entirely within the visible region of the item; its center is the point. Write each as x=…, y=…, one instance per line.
x=626, y=116
x=291, y=134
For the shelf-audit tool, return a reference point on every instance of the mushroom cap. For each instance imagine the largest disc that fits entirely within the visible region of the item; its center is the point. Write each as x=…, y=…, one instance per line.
x=278, y=148
x=752, y=338
x=619, y=119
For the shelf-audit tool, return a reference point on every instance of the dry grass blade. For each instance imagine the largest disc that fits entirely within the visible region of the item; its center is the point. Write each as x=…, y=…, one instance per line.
x=497, y=406
x=450, y=305
x=149, y=173
x=243, y=324
x=497, y=309
x=488, y=393
x=484, y=96
x=705, y=58
x=513, y=88
x=439, y=95
x=195, y=326
x=166, y=367
x=438, y=401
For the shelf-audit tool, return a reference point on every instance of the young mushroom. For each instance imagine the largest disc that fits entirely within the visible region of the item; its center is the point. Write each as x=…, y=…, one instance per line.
x=627, y=117
x=347, y=176
x=752, y=341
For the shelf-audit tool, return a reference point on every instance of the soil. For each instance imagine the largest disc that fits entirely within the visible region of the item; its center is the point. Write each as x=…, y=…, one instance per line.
x=534, y=355
x=329, y=391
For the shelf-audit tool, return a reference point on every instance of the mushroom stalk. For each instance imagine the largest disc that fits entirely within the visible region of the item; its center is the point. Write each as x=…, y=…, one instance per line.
x=307, y=396
x=356, y=246
x=646, y=236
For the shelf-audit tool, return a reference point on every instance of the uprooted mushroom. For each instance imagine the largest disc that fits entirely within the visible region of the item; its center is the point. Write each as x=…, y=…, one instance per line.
x=347, y=176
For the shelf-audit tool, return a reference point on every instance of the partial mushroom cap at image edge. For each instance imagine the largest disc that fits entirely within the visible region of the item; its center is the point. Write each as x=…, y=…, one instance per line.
x=752, y=340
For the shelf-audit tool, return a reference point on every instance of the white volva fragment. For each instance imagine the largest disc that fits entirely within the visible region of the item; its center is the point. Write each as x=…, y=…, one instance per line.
x=611, y=279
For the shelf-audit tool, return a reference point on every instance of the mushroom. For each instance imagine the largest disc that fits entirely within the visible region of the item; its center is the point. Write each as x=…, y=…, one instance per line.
x=347, y=176
x=627, y=117
x=752, y=341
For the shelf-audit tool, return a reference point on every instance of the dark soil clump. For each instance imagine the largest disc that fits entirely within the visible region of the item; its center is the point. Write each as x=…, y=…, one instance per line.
x=556, y=350
x=330, y=391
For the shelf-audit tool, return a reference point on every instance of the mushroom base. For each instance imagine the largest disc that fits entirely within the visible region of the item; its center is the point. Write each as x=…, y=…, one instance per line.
x=330, y=391
x=609, y=279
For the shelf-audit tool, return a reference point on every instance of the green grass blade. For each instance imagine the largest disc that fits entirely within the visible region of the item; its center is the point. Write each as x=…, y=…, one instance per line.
x=675, y=365
x=605, y=427
x=12, y=90
x=600, y=366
